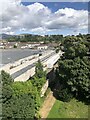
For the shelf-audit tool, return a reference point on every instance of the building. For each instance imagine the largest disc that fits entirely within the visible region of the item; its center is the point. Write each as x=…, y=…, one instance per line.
x=41, y=47
x=33, y=45
x=11, y=45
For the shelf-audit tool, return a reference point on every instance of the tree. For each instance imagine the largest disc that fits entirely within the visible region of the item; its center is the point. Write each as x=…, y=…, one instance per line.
x=74, y=67
x=21, y=106
x=27, y=88
x=7, y=92
x=39, y=73
x=19, y=99
x=74, y=47
x=40, y=76
x=6, y=81
x=38, y=83
x=64, y=94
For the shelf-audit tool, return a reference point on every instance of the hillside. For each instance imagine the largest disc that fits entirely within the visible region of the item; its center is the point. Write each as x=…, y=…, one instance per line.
x=5, y=36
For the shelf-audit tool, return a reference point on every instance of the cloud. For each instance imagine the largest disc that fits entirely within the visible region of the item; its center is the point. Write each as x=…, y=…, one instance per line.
x=68, y=18
x=38, y=18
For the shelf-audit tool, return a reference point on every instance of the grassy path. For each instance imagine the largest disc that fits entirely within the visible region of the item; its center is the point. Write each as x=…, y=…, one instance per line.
x=47, y=105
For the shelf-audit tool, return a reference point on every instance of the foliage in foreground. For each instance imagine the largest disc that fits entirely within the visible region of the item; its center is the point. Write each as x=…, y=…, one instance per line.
x=21, y=99
x=18, y=99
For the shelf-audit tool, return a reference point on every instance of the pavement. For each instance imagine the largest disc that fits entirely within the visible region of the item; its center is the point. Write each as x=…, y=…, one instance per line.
x=47, y=105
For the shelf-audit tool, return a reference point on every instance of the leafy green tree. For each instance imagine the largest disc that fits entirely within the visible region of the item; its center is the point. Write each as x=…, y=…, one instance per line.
x=6, y=82
x=7, y=92
x=38, y=82
x=6, y=79
x=19, y=99
x=64, y=94
x=74, y=47
x=39, y=73
x=40, y=76
x=27, y=87
x=21, y=106
x=74, y=67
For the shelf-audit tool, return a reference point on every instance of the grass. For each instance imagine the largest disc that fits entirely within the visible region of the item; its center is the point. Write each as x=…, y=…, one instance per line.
x=72, y=109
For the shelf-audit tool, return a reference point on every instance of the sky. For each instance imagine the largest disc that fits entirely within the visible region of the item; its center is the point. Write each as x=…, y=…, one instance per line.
x=42, y=18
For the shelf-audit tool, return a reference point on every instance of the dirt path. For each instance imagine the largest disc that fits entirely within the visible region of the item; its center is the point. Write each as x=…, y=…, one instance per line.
x=47, y=105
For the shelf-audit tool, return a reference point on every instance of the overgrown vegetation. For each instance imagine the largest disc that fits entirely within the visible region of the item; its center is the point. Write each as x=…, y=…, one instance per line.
x=21, y=99
x=73, y=77
x=74, y=67
x=18, y=99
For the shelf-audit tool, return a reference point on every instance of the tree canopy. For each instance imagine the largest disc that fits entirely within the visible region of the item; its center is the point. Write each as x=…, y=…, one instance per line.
x=74, y=66
x=19, y=99
x=40, y=76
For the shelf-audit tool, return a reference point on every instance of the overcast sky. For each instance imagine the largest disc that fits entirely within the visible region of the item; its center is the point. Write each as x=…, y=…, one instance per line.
x=43, y=17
